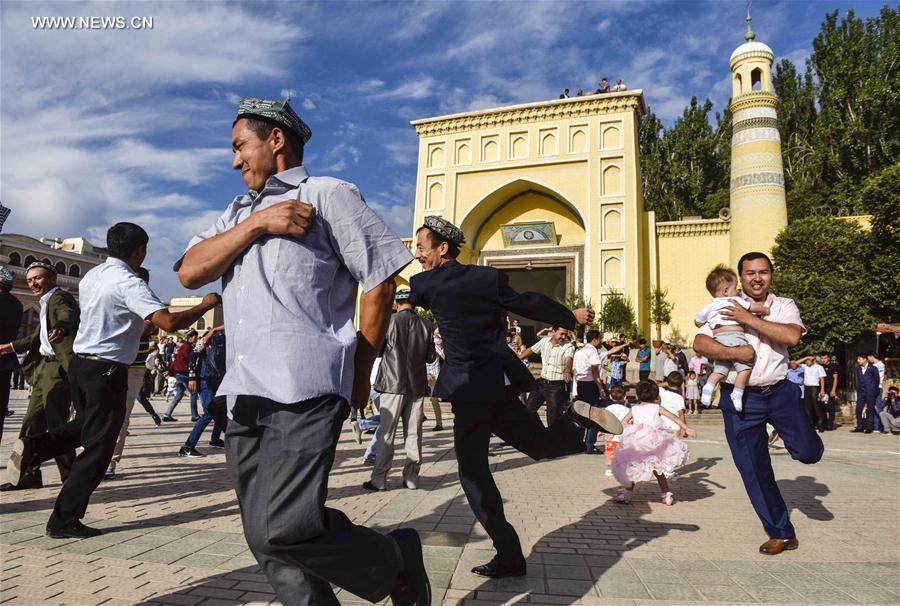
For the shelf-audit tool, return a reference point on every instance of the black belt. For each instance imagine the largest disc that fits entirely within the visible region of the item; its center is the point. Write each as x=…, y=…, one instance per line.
x=552, y=382
x=50, y=358
x=755, y=388
x=94, y=358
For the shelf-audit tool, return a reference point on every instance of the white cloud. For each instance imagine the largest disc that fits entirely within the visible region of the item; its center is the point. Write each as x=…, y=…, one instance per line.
x=418, y=88
x=308, y=104
x=603, y=26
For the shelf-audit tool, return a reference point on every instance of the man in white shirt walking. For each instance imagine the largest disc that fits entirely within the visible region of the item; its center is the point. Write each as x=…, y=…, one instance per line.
x=114, y=304
x=879, y=395
x=586, y=364
x=813, y=391
x=557, y=355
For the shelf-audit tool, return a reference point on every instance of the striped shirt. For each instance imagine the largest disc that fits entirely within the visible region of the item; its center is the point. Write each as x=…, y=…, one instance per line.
x=143, y=351
x=553, y=358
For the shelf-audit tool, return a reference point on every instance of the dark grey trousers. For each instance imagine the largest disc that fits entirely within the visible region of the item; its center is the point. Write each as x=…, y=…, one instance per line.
x=279, y=457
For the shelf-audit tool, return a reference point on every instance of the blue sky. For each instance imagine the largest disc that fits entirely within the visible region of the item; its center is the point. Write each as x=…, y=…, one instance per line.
x=103, y=126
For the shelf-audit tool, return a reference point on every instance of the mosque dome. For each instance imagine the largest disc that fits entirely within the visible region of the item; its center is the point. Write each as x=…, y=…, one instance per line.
x=752, y=48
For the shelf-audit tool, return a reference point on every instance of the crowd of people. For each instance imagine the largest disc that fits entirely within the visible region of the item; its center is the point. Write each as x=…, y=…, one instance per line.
x=291, y=255
x=602, y=87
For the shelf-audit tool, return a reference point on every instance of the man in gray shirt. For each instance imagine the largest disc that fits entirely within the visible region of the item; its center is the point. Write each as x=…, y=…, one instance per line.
x=402, y=382
x=290, y=272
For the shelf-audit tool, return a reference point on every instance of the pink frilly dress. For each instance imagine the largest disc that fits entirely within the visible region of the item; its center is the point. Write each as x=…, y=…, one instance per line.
x=647, y=447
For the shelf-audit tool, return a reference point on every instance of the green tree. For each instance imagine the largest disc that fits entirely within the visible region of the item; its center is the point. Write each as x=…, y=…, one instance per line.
x=880, y=197
x=660, y=309
x=617, y=314
x=820, y=262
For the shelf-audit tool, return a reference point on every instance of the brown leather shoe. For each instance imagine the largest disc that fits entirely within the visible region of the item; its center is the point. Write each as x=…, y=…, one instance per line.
x=776, y=546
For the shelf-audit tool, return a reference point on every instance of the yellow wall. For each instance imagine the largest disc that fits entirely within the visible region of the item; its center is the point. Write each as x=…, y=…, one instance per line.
x=687, y=251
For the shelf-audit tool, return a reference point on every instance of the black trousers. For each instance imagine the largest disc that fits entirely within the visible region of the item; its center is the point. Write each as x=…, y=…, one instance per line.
x=5, y=376
x=814, y=410
x=279, y=457
x=831, y=412
x=643, y=375
x=555, y=393
x=98, y=393
x=521, y=428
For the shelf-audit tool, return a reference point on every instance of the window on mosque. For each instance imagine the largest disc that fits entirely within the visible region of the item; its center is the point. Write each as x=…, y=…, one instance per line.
x=29, y=260
x=15, y=259
x=756, y=79
x=60, y=268
x=75, y=271
x=47, y=261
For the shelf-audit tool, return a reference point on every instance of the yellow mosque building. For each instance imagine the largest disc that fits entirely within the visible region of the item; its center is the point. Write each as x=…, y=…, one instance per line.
x=550, y=192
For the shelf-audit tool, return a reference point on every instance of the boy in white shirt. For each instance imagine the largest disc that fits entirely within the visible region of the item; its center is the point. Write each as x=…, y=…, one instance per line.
x=722, y=285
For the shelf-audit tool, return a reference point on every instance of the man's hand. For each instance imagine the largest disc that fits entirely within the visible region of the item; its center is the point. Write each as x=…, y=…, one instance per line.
x=738, y=314
x=6, y=349
x=288, y=218
x=211, y=300
x=192, y=386
x=362, y=387
x=584, y=315
x=567, y=375
x=56, y=335
x=744, y=354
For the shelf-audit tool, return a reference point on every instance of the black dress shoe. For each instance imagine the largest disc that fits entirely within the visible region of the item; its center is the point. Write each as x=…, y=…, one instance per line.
x=413, y=587
x=29, y=480
x=72, y=531
x=156, y=419
x=867, y=431
x=856, y=430
x=496, y=569
x=169, y=419
x=367, y=485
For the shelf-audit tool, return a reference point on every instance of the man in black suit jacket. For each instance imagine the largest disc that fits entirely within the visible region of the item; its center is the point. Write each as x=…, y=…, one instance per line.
x=482, y=377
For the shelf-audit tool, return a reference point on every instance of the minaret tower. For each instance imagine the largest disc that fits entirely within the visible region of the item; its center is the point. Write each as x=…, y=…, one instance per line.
x=758, y=209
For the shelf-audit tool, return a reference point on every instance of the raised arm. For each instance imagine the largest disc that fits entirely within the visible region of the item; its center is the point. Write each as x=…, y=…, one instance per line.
x=170, y=322
x=209, y=259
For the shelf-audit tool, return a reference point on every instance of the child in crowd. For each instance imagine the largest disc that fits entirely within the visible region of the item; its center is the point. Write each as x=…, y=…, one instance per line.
x=619, y=407
x=692, y=393
x=722, y=285
x=617, y=365
x=647, y=449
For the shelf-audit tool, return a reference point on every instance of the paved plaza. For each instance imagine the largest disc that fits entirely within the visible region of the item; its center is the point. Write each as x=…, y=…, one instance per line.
x=173, y=532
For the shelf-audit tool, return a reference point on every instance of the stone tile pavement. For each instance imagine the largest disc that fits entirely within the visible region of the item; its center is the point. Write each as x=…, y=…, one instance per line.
x=173, y=533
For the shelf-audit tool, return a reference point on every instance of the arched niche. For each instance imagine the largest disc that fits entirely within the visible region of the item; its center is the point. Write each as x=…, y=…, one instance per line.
x=490, y=151
x=612, y=271
x=736, y=89
x=519, y=147
x=75, y=271
x=612, y=180
x=15, y=259
x=611, y=138
x=436, y=156
x=756, y=81
x=578, y=141
x=60, y=268
x=548, y=144
x=463, y=154
x=612, y=225
x=435, y=195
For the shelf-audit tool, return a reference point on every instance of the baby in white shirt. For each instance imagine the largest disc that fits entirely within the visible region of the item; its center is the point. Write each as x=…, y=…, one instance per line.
x=722, y=285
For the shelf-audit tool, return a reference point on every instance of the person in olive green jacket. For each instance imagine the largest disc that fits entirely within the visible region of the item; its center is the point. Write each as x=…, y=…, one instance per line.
x=10, y=318
x=48, y=352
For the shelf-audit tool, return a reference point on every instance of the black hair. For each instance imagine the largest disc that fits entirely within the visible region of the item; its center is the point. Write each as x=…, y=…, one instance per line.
x=824, y=353
x=263, y=128
x=144, y=274
x=642, y=342
x=647, y=391
x=617, y=393
x=674, y=379
x=591, y=335
x=753, y=256
x=437, y=239
x=123, y=239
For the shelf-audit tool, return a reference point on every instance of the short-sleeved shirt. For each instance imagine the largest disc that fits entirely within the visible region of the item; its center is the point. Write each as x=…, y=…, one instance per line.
x=712, y=313
x=696, y=364
x=795, y=375
x=812, y=374
x=617, y=369
x=672, y=402
x=771, y=364
x=584, y=359
x=832, y=374
x=644, y=364
x=879, y=366
x=114, y=303
x=289, y=302
x=553, y=358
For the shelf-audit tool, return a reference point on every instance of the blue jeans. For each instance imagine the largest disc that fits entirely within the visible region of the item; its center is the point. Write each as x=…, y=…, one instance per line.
x=180, y=388
x=207, y=393
x=879, y=406
x=372, y=422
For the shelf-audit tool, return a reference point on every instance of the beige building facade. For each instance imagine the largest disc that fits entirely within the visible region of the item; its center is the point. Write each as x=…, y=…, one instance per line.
x=550, y=192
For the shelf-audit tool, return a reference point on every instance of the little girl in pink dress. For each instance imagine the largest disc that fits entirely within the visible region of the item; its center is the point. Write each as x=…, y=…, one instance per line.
x=648, y=450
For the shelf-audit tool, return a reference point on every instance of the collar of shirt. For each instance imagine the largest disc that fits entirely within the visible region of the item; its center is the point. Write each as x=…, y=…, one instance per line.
x=46, y=296
x=286, y=179
x=120, y=263
x=46, y=348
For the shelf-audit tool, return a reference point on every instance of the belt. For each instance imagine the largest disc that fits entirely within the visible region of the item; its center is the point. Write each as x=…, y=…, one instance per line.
x=94, y=358
x=50, y=358
x=549, y=381
x=755, y=388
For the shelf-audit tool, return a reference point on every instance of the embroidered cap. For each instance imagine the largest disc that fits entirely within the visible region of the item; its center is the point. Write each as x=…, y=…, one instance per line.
x=280, y=113
x=402, y=295
x=46, y=266
x=6, y=277
x=446, y=229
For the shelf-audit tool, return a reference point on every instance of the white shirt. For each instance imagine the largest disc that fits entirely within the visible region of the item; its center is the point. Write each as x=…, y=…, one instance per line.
x=812, y=374
x=584, y=359
x=47, y=347
x=672, y=402
x=712, y=313
x=621, y=411
x=114, y=303
x=669, y=366
x=879, y=366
